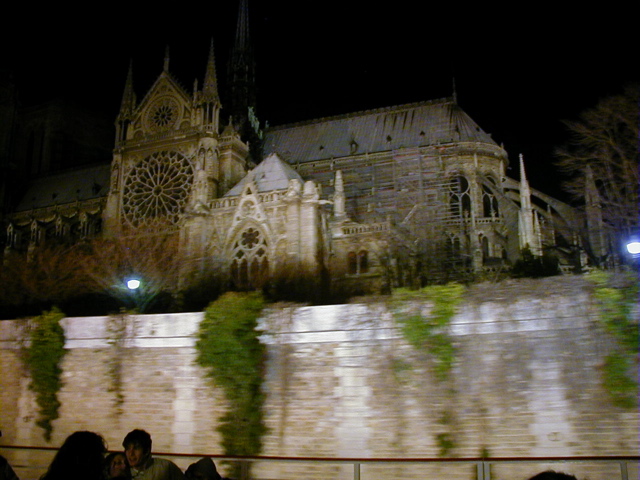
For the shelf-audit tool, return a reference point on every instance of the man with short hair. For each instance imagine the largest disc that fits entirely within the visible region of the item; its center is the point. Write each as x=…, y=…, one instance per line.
x=137, y=448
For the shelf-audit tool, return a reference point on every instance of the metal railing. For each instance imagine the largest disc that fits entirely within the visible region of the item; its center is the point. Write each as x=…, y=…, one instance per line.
x=482, y=466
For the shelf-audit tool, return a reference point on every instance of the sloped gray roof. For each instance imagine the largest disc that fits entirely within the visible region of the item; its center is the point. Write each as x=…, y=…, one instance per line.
x=406, y=126
x=78, y=185
x=271, y=174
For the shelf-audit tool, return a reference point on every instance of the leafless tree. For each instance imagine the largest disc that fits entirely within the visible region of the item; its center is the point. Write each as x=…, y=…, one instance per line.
x=151, y=259
x=53, y=274
x=605, y=141
x=48, y=274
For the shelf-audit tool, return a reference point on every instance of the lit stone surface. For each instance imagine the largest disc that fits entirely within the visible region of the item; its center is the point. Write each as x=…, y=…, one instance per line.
x=340, y=381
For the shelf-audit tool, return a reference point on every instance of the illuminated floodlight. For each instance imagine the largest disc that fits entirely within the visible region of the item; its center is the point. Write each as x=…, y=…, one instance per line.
x=133, y=284
x=633, y=247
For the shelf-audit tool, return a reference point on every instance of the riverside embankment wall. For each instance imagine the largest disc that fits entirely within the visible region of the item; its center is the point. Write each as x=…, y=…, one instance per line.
x=341, y=381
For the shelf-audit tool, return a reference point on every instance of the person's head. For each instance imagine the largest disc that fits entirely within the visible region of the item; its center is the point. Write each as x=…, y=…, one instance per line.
x=552, y=475
x=137, y=447
x=80, y=456
x=203, y=469
x=116, y=465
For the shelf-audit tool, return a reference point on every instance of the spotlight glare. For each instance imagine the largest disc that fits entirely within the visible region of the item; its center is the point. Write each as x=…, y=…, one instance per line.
x=633, y=247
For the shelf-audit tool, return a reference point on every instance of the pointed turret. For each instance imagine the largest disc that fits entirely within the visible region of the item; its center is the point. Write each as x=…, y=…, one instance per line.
x=128, y=96
x=528, y=235
x=209, y=100
x=165, y=68
x=126, y=107
x=210, y=86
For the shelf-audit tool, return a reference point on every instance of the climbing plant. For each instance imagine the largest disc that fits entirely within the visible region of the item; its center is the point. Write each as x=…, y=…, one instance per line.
x=229, y=348
x=424, y=316
x=42, y=355
x=120, y=327
x=429, y=333
x=617, y=298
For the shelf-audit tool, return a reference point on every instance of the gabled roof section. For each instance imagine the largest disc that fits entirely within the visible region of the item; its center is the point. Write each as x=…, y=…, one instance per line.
x=164, y=84
x=407, y=126
x=68, y=187
x=271, y=174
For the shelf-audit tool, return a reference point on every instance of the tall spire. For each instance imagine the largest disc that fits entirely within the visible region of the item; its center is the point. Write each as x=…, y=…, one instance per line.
x=126, y=108
x=210, y=86
x=128, y=96
x=241, y=80
x=526, y=222
x=166, y=60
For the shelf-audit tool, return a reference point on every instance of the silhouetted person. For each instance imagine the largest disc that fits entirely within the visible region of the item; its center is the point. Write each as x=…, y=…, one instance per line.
x=80, y=457
x=203, y=469
x=6, y=472
x=551, y=475
x=137, y=447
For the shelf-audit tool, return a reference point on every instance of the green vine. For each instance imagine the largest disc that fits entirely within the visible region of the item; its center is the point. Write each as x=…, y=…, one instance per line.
x=229, y=348
x=119, y=327
x=617, y=298
x=43, y=356
x=429, y=333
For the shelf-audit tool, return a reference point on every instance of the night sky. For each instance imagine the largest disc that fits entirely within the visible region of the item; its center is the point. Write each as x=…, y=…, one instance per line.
x=517, y=74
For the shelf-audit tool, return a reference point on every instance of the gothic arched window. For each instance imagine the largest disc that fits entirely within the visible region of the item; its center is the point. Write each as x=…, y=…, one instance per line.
x=489, y=203
x=250, y=262
x=459, y=196
x=358, y=263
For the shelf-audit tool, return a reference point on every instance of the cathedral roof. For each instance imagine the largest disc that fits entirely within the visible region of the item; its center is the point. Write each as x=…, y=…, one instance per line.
x=414, y=125
x=67, y=187
x=271, y=174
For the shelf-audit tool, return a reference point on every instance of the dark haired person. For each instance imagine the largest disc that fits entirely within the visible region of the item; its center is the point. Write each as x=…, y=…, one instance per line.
x=116, y=467
x=551, y=475
x=80, y=457
x=6, y=472
x=137, y=448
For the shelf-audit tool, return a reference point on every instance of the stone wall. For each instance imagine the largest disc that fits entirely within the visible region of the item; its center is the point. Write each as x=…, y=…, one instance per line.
x=342, y=382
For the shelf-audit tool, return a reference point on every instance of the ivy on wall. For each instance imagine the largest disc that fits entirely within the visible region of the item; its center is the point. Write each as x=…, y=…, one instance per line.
x=43, y=356
x=120, y=327
x=429, y=333
x=617, y=299
x=229, y=348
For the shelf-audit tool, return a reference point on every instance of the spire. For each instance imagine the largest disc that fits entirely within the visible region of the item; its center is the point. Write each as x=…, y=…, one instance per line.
x=455, y=91
x=526, y=221
x=166, y=60
x=241, y=78
x=210, y=86
x=128, y=96
x=242, y=28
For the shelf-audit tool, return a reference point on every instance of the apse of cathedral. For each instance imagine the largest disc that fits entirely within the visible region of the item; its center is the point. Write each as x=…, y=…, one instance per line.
x=402, y=195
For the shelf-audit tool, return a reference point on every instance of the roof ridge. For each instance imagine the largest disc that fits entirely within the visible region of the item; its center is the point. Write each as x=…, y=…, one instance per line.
x=361, y=113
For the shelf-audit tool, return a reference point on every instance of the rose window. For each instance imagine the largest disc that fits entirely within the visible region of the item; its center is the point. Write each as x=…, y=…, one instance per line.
x=156, y=190
x=162, y=114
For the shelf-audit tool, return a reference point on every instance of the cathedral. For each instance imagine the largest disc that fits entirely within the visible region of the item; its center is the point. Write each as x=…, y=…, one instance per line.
x=403, y=195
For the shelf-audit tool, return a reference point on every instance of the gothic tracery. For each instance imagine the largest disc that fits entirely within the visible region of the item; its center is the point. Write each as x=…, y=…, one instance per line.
x=156, y=190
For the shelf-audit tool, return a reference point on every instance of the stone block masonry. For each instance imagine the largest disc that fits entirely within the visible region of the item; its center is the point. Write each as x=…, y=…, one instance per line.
x=341, y=381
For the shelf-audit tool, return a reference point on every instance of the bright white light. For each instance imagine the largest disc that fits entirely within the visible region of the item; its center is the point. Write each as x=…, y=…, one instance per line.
x=633, y=247
x=133, y=284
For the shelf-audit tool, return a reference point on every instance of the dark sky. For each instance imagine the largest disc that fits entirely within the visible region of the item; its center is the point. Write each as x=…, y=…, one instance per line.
x=518, y=73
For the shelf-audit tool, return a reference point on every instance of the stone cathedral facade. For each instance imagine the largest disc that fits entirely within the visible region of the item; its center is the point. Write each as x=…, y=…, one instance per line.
x=410, y=194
